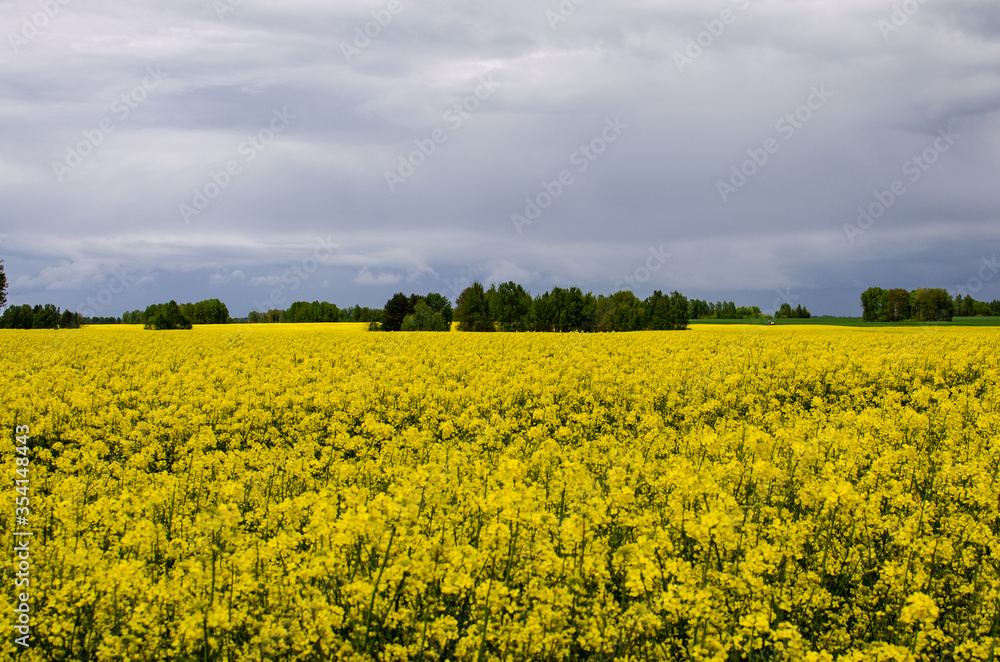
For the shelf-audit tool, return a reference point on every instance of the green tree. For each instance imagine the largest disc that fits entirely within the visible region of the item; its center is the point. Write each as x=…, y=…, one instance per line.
x=969, y=307
x=897, y=305
x=414, y=300
x=166, y=317
x=979, y=309
x=45, y=317
x=216, y=312
x=667, y=313
x=622, y=311
x=441, y=305
x=509, y=305
x=3, y=287
x=17, y=317
x=542, y=314
x=786, y=312
x=132, y=317
x=698, y=309
x=69, y=320
x=932, y=305
x=658, y=311
x=209, y=311
x=299, y=312
x=303, y=312
x=396, y=309
x=566, y=310
x=678, y=311
x=424, y=319
x=873, y=305
x=472, y=310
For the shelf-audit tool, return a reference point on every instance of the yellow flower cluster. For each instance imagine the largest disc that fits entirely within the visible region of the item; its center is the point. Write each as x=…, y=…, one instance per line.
x=300, y=493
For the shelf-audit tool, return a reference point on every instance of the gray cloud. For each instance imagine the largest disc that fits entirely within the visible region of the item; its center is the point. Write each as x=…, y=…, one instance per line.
x=323, y=176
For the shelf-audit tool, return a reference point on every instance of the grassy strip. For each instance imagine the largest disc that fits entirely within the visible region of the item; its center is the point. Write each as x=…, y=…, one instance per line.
x=856, y=321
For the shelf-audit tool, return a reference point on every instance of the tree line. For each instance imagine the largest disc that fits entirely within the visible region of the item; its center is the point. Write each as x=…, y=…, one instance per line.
x=921, y=305
x=787, y=312
x=212, y=311
x=968, y=307
x=509, y=307
x=431, y=312
x=171, y=315
x=174, y=315
x=723, y=310
x=45, y=316
x=304, y=312
x=504, y=307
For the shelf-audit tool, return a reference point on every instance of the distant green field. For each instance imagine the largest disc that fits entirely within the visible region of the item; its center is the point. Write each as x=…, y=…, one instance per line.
x=856, y=321
x=976, y=321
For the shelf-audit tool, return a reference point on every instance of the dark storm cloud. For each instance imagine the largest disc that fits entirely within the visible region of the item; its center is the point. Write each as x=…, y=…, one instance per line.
x=414, y=135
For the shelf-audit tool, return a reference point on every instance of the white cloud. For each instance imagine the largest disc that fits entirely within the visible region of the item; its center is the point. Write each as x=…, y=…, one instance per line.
x=223, y=278
x=502, y=271
x=366, y=277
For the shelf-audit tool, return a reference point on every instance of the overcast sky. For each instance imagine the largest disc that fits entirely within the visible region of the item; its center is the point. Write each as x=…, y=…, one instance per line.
x=266, y=151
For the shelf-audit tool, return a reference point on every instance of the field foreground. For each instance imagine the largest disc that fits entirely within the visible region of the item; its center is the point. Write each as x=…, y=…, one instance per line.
x=301, y=493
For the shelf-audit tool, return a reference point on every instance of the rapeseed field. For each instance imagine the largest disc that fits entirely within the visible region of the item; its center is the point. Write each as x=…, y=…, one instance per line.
x=287, y=492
